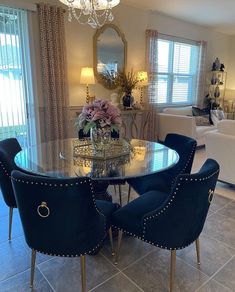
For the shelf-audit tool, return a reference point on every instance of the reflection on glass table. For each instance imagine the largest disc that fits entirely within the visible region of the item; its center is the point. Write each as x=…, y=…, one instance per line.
x=57, y=159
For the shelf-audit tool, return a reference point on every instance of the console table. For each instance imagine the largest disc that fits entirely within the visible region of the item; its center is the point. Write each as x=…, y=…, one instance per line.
x=134, y=122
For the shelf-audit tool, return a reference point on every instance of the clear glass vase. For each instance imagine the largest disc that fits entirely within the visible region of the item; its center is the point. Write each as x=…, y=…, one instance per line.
x=100, y=137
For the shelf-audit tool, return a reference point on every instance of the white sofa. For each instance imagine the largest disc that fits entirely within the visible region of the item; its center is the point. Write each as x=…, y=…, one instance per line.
x=180, y=120
x=220, y=145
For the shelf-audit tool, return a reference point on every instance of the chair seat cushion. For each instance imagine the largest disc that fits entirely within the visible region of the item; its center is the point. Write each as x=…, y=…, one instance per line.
x=130, y=216
x=107, y=209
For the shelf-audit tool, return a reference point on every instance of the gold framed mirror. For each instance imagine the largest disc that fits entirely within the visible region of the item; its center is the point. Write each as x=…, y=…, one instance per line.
x=110, y=54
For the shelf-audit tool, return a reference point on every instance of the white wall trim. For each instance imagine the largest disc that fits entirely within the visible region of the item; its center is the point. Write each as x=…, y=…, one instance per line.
x=19, y=4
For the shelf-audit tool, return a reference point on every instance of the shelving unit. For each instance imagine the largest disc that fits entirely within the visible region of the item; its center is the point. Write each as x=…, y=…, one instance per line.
x=216, y=82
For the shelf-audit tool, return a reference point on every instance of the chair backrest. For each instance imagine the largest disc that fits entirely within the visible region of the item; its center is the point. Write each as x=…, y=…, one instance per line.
x=8, y=150
x=180, y=220
x=185, y=147
x=74, y=226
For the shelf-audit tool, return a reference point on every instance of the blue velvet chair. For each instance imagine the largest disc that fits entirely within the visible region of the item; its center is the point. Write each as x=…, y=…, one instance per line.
x=61, y=217
x=8, y=150
x=164, y=180
x=170, y=220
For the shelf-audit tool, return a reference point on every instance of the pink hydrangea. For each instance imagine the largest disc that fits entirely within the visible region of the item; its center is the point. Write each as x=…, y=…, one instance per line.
x=101, y=113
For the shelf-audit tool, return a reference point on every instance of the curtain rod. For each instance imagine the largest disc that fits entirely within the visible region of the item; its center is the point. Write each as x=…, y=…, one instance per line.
x=178, y=37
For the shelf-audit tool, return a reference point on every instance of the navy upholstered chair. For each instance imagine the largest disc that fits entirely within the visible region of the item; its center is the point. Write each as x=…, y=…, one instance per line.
x=163, y=181
x=61, y=217
x=171, y=220
x=8, y=150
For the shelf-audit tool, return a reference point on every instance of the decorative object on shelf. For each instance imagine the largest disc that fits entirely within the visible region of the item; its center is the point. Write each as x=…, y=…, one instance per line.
x=92, y=12
x=222, y=67
x=99, y=118
x=142, y=77
x=217, y=92
x=216, y=65
x=127, y=82
x=87, y=78
x=213, y=79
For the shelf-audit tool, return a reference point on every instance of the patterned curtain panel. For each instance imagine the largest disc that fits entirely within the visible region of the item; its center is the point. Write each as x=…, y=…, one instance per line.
x=54, y=72
x=201, y=74
x=152, y=64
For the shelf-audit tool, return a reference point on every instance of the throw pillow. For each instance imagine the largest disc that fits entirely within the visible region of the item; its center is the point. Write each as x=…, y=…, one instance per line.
x=216, y=116
x=202, y=120
x=201, y=112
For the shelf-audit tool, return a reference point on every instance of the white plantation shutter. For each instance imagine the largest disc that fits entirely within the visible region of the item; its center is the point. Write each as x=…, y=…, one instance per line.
x=177, y=70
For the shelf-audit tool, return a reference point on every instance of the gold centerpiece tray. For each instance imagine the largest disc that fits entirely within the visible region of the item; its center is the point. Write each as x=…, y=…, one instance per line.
x=86, y=149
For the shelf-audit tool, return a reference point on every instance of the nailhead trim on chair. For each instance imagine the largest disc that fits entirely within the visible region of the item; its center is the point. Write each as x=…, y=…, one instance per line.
x=70, y=185
x=163, y=211
x=4, y=169
x=186, y=164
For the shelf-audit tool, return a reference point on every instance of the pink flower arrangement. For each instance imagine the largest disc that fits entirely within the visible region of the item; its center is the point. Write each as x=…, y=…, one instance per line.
x=100, y=114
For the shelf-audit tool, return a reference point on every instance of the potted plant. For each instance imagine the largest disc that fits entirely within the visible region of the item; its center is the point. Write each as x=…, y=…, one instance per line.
x=127, y=82
x=99, y=118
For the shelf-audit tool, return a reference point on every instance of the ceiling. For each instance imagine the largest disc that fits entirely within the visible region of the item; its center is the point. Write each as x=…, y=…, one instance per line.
x=217, y=14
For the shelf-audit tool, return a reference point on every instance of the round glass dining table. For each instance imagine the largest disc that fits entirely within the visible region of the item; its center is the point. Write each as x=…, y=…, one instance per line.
x=57, y=159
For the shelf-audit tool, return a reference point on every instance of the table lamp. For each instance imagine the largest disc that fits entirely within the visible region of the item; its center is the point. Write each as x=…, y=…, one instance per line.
x=142, y=77
x=87, y=78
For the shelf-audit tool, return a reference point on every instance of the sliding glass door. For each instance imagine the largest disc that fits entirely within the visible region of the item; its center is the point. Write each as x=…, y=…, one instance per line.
x=17, y=116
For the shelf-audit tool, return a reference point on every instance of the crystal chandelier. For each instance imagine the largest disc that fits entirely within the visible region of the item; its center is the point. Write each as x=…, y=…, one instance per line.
x=93, y=12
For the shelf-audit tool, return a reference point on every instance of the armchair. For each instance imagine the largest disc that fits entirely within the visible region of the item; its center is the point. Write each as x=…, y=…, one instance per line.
x=170, y=220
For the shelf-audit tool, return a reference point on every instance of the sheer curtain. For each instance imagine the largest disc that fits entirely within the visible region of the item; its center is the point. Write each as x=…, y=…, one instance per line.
x=54, y=72
x=17, y=114
x=152, y=65
x=201, y=74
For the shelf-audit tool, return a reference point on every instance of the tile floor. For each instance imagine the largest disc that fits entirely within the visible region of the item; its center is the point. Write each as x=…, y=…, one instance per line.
x=141, y=267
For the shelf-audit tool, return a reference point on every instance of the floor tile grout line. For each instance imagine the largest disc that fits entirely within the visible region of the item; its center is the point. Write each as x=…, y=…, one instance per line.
x=212, y=276
x=227, y=204
x=133, y=263
x=108, y=260
x=133, y=282
x=110, y=278
x=53, y=289
x=16, y=274
x=221, y=242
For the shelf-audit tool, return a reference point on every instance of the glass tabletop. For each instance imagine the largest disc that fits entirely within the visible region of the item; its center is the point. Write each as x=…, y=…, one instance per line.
x=57, y=159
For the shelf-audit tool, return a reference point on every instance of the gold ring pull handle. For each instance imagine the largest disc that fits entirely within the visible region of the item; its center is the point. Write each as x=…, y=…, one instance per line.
x=210, y=197
x=43, y=210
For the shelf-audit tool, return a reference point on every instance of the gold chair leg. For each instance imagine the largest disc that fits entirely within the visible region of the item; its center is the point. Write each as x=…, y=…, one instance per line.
x=10, y=222
x=129, y=194
x=172, y=273
x=115, y=189
x=198, y=251
x=111, y=240
x=83, y=272
x=33, y=261
x=120, y=194
x=118, y=246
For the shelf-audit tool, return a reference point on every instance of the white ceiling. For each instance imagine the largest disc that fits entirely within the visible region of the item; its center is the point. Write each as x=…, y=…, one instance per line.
x=217, y=14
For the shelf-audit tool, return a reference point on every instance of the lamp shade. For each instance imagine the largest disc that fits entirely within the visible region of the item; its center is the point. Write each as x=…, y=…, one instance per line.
x=142, y=76
x=87, y=76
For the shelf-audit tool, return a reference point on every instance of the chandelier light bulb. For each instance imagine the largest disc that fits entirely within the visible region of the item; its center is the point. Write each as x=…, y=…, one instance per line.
x=92, y=12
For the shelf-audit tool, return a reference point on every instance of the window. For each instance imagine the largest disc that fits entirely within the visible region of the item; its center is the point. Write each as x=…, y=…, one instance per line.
x=15, y=77
x=176, y=80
